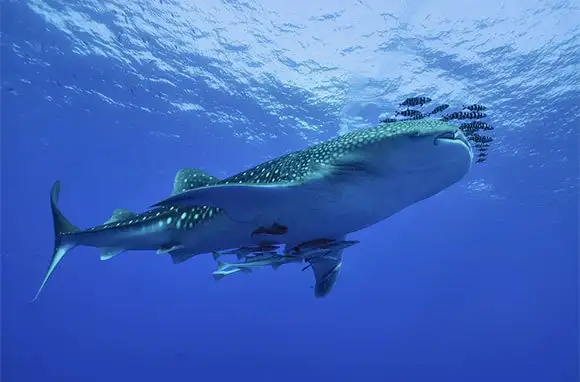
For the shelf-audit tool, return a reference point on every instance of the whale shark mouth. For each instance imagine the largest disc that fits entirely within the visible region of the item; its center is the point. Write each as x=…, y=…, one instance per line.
x=447, y=136
x=455, y=137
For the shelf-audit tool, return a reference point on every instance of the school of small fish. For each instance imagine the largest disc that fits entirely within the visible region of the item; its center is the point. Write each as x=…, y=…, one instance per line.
x=474, y=112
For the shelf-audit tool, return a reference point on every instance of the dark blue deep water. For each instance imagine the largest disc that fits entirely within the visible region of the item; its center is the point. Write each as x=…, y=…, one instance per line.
x=478, y=283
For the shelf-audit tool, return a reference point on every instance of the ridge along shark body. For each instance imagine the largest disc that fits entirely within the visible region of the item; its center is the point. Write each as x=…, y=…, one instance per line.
x=323, y=192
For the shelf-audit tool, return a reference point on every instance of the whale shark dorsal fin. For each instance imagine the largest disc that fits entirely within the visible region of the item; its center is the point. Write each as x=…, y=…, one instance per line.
x=120, y=214
x=190, y=178
x=326, y=270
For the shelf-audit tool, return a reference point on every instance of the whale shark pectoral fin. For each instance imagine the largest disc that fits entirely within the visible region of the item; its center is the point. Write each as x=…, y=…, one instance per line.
x=326, y=270
x=240, y=201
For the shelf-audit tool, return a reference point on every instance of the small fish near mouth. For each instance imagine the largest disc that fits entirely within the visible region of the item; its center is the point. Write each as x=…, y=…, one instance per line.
x=469, y=129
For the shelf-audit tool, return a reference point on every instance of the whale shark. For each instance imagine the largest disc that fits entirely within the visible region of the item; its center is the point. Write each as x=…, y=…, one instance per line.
x=326, y=191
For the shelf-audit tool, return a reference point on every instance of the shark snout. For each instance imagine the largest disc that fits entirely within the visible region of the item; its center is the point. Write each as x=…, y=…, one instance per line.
x=453, y=137
x=449, y=136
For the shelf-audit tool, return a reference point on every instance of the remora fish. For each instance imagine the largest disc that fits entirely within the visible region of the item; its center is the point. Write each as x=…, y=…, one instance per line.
x=247, y=251
x=260, y=261
x=325, y=191
x=312, y=250
x=220, y=274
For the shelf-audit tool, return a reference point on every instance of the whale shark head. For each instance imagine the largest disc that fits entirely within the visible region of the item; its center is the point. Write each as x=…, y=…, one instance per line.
x=427, y=146
x=422, y=157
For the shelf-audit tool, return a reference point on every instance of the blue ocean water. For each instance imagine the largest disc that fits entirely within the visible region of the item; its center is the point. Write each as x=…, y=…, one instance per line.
x=478, y=283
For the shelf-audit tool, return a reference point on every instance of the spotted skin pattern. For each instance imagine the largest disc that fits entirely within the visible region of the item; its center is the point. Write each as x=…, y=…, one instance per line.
x=291, y=168
x=180, y=218
x=299, y=166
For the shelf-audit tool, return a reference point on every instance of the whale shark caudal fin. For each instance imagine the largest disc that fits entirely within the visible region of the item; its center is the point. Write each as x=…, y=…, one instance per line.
x=61, y=242
x=326, y=269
